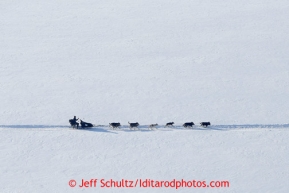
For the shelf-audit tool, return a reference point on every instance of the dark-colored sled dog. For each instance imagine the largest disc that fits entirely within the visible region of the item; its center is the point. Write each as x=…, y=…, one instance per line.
x=133, y=125
x=188, y=124
x=170, y=124
x=114, y=125
x=205, y=124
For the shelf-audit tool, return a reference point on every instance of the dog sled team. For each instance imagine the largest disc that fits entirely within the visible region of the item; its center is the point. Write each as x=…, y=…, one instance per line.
x=75, y=123
x=154, y=126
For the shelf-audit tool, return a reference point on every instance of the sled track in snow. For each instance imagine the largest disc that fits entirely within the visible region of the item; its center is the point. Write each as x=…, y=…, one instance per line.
x=146, y=127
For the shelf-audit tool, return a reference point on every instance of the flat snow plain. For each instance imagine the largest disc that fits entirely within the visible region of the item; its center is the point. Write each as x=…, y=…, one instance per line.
x=251, y=158
x=147, y=61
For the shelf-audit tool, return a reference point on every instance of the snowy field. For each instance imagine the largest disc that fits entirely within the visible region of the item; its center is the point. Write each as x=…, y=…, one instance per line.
x=44, y=159
x=151, y=61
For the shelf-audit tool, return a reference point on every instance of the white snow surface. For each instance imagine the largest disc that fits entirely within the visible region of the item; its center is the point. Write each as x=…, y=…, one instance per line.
x=252, y=159
x=151, y=61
